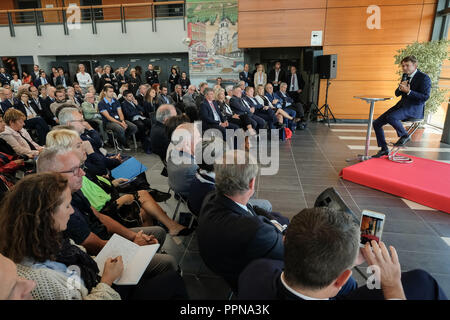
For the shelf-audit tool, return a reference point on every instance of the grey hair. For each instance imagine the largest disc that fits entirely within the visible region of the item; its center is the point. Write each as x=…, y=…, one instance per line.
x=228, y=88
x=46, y=161
x=163, y=113
x=234, y=172
x=66, y=115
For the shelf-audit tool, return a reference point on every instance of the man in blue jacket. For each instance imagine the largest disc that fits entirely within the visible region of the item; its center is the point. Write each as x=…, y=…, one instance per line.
x=415, y=91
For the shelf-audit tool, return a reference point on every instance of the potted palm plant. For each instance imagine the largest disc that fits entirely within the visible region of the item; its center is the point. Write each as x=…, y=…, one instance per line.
x=431, y=56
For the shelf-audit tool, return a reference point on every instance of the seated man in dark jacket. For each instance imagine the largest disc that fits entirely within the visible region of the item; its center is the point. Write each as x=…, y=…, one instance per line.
x=321, y=248
x=134, y=113
x=230, y=233
x=261, y=111
x=158, y=136
x=240, y=106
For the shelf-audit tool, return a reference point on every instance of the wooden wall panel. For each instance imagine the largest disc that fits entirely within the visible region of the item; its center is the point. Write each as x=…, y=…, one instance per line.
x=353, y=30
x=287, y=28
x=426, y=25
x=264, y=5
x=140, y=12
x=360, y=63
x=366, y=3
x=344, y=106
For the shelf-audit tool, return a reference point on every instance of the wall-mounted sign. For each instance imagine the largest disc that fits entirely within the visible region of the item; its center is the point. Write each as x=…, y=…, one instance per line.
x=316, y=38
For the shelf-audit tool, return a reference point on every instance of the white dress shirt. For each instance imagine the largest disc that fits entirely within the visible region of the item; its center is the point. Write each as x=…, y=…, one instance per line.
x=84, y=79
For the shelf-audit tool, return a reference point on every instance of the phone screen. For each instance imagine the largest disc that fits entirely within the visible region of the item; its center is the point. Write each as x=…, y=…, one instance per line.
x=371, y=227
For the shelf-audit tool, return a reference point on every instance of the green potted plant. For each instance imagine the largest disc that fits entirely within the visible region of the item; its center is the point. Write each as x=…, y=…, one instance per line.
x=431, y=56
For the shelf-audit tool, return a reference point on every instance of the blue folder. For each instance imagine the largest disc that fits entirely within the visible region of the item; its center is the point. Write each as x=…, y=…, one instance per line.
x=128, y=169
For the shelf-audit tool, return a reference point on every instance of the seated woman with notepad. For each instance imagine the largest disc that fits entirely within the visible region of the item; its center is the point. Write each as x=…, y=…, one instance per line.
x=33, y=217
x=103, y=195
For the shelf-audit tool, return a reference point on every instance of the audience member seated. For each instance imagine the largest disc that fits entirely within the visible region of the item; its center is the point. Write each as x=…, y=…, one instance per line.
x=288, y=103
x=211, y=116
x=60, y=99
x=158, y=136
x=150, y=103
x=39, y=105
x=5, y=78
x=33, y=120
x=181, y=166
x=8, y=101
x=42, y=80
x=321, y=248
x=184, y=82
x=240, y=107
x=205, y=178
x=17, y=137
x=114, y=119
x=190, y=97
x=134, y=82
x=163, y=97
x=142, y=93
x=134, y=113
x=230, y=233
x=103, y=194
x=242, y=120
x=108, y=77
x=177, y=97
x=280, y=114
x=43, y=254
x=90, y=228
x=90, y=112
x=275, y=100
x=201, y=95
x=261, y=110
x=73, y=97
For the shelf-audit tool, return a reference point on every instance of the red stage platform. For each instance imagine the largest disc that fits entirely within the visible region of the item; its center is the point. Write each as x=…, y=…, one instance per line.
x=424, y=181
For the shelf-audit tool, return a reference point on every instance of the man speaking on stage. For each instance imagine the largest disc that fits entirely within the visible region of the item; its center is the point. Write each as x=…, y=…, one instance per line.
x=415, y=91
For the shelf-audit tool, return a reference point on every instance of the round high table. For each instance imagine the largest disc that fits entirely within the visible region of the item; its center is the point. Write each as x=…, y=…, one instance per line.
x=369, y=99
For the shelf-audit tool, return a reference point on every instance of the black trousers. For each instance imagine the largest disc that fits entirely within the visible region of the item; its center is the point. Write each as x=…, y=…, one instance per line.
x=143, y=133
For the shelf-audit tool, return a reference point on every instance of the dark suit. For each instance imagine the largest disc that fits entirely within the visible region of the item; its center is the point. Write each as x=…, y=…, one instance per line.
x=60, y=81
x=208, y=121
x=173, y=80
x=109, y=79
x=151, y=77
x=246, y=78
x=160, y=99
x=39, y=81
x=229, y=237
x=36, y=123
x=281, y=77
x=238, y=106
x=268, y=115
x=97, y=82
x=43, y=110
x=178, y=101
x=5, y=78
x=410, y=106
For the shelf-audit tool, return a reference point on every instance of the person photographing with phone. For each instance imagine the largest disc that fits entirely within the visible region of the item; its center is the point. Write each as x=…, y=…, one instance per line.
x=414, y=90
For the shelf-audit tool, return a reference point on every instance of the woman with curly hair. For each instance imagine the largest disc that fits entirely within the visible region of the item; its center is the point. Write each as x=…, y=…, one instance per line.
x=33, y=217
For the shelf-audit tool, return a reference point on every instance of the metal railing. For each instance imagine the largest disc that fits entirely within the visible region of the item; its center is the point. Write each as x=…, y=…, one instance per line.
x=66, y=16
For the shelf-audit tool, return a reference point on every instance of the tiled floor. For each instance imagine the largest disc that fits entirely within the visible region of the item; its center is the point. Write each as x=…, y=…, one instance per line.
x=309, y=164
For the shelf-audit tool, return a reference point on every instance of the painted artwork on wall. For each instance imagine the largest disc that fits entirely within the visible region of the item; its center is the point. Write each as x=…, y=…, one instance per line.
x=213, y=47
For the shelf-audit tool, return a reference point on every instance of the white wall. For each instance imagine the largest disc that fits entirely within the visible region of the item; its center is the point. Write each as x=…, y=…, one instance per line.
x=108, y=40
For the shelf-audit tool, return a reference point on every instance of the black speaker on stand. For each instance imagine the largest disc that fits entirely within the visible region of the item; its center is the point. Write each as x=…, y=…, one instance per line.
x=327, y=65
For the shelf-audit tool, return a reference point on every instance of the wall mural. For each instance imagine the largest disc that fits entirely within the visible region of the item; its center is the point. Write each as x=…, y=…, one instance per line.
x=213, y=46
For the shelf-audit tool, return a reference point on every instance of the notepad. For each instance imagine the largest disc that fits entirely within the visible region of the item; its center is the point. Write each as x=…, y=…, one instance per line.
x=128, y=169
x=135, y=258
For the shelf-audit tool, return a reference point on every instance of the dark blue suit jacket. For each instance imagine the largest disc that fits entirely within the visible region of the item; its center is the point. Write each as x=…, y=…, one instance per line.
x=272, y=97
x=129, y=111
x=229, y=237
x=413, y=104
x=199, y=190
x=283, y=99
x=238, y=106
x=5, y=78
x=207, y=115
x=247, y=79
x=38, y=82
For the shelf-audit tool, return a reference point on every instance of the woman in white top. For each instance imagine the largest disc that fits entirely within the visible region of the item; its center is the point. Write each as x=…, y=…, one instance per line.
x=260, y=76
x=15, y=82
x=262, y=99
